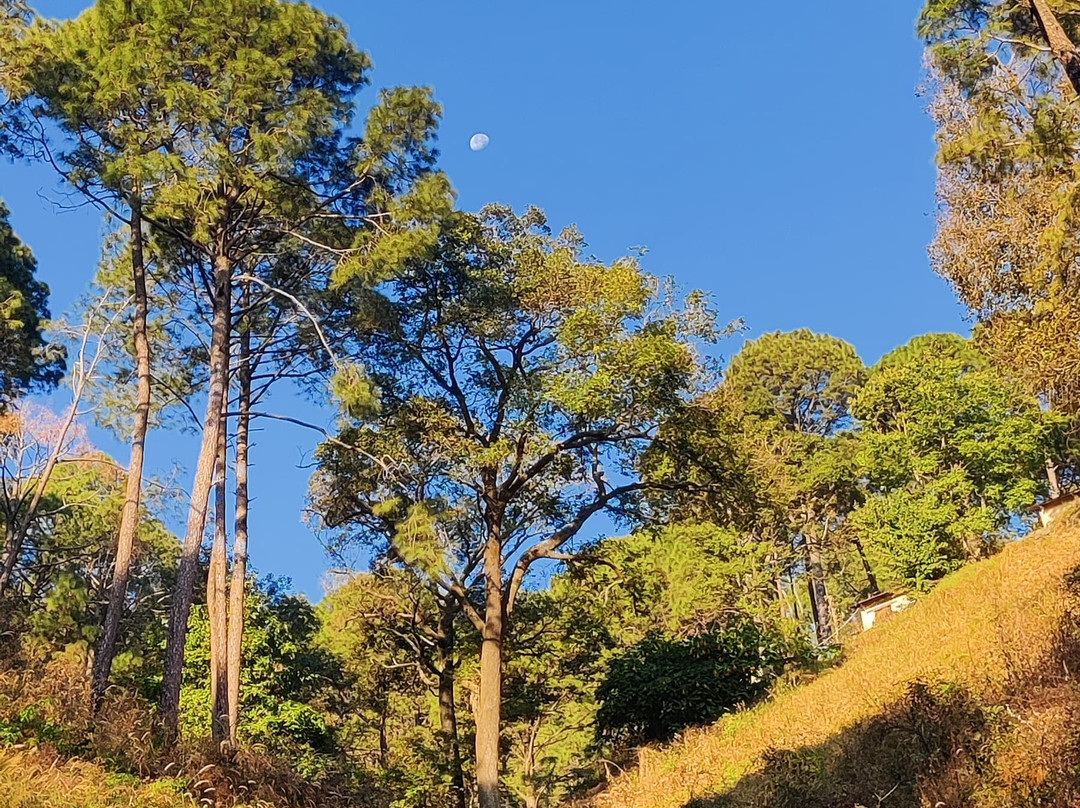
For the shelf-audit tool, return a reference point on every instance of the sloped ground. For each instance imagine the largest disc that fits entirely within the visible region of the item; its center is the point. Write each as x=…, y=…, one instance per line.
x=39, y=779
x=967, y=698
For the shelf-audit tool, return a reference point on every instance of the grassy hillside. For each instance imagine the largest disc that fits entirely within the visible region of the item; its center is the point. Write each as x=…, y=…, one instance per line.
x=968, y=698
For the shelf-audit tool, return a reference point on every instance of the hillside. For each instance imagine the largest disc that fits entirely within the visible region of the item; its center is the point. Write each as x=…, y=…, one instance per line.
x=967, y=698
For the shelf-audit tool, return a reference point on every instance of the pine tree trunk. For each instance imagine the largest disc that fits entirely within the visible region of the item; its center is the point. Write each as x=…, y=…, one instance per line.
x=819, y=596
x=129, y=516
x=384, y=743
x=200, y=495
x=448, y=707
x=238, y=582
x=216, y=604
x=489, y=707
x=1063, y=48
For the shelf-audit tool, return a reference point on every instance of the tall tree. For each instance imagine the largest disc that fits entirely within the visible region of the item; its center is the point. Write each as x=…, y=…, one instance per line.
x=129, y=517
x=223, y=152
x=107, y=161
x=952, y=452
x=243, y=152
x=798, y=387
x=238, y=581
x=1005, y=89
x=519, y=382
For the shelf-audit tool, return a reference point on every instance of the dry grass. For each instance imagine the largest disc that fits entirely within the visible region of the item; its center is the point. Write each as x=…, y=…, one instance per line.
x=38, y=778
x=996, y=631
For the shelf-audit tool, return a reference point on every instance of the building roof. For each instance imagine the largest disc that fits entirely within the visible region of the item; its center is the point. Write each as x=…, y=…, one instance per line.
x=876, y=600
x=1059, y=500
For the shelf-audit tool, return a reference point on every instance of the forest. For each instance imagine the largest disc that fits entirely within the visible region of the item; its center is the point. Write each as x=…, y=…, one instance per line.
x=580, y=513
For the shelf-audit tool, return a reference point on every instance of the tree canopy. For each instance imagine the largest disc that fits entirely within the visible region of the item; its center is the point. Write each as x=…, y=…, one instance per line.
x=27, y=359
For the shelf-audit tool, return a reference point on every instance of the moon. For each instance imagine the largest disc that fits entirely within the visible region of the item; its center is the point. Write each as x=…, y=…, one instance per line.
x=479, y=141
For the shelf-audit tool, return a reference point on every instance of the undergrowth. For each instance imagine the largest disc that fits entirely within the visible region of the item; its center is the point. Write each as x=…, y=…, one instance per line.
x=54, y=754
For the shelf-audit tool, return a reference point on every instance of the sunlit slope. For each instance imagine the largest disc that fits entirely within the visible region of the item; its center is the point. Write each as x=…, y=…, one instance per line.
x=1000, y=632
x=40, y=779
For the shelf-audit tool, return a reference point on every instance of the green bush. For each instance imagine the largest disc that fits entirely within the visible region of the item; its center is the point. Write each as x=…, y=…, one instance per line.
x=663, y=685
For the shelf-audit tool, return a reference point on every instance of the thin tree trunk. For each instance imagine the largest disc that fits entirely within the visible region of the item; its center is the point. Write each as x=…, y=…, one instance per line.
x=216, y=603
x=12, y=550
x=796, y=604
x=384, y=744
x=238, y=582
x=489, y=708
x=871, y=579
x=1061, y=45
x=819, y=596
x=129, y=516
x=1053, y=479
x=532, y=798
x=200, y=494
x=448, y=706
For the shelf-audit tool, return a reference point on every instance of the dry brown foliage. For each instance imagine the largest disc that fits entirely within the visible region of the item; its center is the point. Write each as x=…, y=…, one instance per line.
x=1008, y=239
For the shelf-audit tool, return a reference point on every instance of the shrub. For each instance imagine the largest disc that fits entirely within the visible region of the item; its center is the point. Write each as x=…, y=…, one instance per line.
x=663, y=685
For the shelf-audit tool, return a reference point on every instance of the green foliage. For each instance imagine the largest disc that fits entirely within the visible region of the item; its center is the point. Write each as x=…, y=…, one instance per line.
x=30, y=725
x=663, y=685
x=803, y=379
x=66, y=558
x=289, y=682
x=389, y=633
x=951, y=451
x=1007, y=127
x=679, y=579
x=146, y=102
x=505, y=360
x=27, y=360
x=917, y=538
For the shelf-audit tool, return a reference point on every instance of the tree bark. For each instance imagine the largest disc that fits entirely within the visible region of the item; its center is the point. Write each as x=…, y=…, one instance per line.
x=12, y=551
x=238, y=582
x=871, y=579
x=1062, y=47
x=532, y=798
x=1052, y=479
x=216, y=605
x=819, y=596
x=129, y=516
x=448, y=706
x=384, y=744
x=200, y=494
x=489, y=708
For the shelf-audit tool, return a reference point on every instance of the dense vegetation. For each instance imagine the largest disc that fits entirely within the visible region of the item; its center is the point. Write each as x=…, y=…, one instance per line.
x=500, y=392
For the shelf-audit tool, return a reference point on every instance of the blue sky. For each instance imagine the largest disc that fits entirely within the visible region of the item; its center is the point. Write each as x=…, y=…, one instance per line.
x=786, y=170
